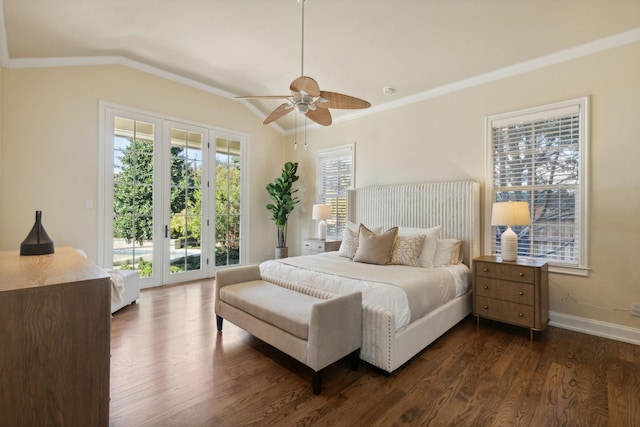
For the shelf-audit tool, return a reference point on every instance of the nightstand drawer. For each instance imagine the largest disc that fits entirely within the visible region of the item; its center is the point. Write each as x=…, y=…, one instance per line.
x=316, y=246
x=521, y=293
x=505, y=311
x=313, y=245
x=511, y=272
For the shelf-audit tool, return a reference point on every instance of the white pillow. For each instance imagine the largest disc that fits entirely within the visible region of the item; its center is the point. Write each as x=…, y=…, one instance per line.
x=407, y=250
x=448, y=252
x=428, y=246
x=356, y=227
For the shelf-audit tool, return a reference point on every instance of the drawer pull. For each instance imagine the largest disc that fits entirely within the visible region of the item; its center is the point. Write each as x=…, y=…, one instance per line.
x=486, y=287
x=521, y=274
x=485, y=269
x=520, y=314
x=486, y=307
x=520, y=293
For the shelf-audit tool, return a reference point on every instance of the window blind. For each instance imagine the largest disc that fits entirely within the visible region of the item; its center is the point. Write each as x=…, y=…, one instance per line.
x=335, y=175
x=536, y=157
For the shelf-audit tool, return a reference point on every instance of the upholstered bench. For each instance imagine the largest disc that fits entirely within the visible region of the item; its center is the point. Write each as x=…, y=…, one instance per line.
x=314, y=327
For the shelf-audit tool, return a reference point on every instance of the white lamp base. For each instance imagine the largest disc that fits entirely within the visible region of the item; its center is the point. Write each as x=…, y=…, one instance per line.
x=509, y=245
x=322, y=230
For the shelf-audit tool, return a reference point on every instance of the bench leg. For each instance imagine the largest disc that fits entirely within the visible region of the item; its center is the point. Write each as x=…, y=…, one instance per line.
x=219, y=323
x=355, y=360
x=317, y=381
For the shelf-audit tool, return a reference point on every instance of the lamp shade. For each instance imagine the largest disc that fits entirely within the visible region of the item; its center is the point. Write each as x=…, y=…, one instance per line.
x=510, y=213
x=321, y=212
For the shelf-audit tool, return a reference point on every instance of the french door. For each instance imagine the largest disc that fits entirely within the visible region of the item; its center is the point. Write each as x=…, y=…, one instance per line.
x=160, y=185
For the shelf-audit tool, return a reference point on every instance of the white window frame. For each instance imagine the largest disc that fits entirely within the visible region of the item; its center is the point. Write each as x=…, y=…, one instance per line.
x=336, y=223
x=537, y=114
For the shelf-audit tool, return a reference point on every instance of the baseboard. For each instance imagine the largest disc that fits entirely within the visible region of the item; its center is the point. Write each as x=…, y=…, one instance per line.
x=595, y=327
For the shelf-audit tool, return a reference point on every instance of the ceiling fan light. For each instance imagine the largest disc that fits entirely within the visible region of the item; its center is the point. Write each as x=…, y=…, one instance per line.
x=302, y=108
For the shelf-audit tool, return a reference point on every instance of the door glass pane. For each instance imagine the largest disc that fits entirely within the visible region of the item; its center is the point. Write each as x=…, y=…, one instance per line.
x=133, y=195
x=227, y=234
x=186, y=201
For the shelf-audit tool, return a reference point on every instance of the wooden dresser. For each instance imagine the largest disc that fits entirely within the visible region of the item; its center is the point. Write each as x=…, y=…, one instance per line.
x=511, y=292
x=55, y=340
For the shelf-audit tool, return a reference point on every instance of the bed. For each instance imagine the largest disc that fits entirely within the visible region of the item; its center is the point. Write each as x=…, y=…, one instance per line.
x=398, y=321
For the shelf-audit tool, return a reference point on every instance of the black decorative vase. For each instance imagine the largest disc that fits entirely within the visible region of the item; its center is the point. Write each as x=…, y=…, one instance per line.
x=38, y=241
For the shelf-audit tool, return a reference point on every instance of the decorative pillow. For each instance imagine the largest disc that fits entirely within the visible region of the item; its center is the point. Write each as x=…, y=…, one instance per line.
x=349, y=244
x=375, y=248
x=448, y=252
x=428, y=246
x=407, y=250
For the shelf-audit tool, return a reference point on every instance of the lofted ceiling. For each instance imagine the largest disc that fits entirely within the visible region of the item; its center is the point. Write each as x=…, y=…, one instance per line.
x=356, y=47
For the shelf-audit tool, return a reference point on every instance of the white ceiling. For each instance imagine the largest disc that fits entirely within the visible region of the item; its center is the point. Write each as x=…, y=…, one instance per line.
x=357, y=47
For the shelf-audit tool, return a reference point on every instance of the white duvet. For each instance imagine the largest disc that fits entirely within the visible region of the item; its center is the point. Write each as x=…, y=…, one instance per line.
x=408, y=292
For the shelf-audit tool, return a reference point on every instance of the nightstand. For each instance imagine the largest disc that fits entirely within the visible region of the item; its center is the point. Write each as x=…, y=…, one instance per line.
x=511, y=292
x=315, y=246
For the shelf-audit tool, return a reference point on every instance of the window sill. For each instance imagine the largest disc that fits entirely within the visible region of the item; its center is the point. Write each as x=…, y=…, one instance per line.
x=573, y=271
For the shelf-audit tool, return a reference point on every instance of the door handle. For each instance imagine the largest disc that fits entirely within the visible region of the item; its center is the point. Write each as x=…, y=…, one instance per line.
x=166, y=231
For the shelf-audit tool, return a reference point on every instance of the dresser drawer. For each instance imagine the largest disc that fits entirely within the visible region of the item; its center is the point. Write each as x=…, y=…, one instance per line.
x=510, y=272
x=505, y=311
x=521, y=293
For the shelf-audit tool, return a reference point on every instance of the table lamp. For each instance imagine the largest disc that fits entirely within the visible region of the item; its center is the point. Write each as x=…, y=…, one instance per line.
x=510, y=213
x=321, y=212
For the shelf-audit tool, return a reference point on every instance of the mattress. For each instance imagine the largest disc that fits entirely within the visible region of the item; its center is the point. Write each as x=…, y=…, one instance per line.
x=408, y=292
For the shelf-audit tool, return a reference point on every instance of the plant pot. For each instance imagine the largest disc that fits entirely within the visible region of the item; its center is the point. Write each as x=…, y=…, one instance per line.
x=282, y=252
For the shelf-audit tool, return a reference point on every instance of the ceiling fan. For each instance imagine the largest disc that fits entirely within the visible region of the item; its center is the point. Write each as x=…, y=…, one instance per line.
x=307, y=98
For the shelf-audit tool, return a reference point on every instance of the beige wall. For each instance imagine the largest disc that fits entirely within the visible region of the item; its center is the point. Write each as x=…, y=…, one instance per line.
x=50, y=147
x=1, y=132
x=443, y=138
x=49, y=134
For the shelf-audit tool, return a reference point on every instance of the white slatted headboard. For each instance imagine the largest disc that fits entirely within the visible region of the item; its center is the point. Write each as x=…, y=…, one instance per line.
x=455, y=205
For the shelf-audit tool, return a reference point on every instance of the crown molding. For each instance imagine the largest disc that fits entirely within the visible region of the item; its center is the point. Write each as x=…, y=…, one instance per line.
x=611, y=42
x=600, y=45
x=596, y=46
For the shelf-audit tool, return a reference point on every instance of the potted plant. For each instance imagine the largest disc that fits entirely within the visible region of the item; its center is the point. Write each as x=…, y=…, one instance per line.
x=283, y=195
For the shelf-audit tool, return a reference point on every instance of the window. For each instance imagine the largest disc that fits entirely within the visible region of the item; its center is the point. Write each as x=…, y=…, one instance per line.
x=228, y=212
x=335, y=175
x=539, y=156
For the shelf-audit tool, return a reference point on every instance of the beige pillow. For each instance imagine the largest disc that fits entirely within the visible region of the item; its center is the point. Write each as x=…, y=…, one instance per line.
x=448, y=252
x=375, y=248
x=407, y=250
x=349, y=244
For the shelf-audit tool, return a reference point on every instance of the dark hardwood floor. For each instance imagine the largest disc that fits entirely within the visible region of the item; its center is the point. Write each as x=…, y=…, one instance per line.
x=170, y=367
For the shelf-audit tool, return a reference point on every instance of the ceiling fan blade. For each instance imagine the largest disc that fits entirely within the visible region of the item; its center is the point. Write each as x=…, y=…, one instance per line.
x=307, y=85
x=277, y=113
x=341, y=101
x=322, y=116
x=263, y=97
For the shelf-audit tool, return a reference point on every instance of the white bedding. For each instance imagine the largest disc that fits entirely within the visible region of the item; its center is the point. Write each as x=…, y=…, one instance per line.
x=408, y=292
